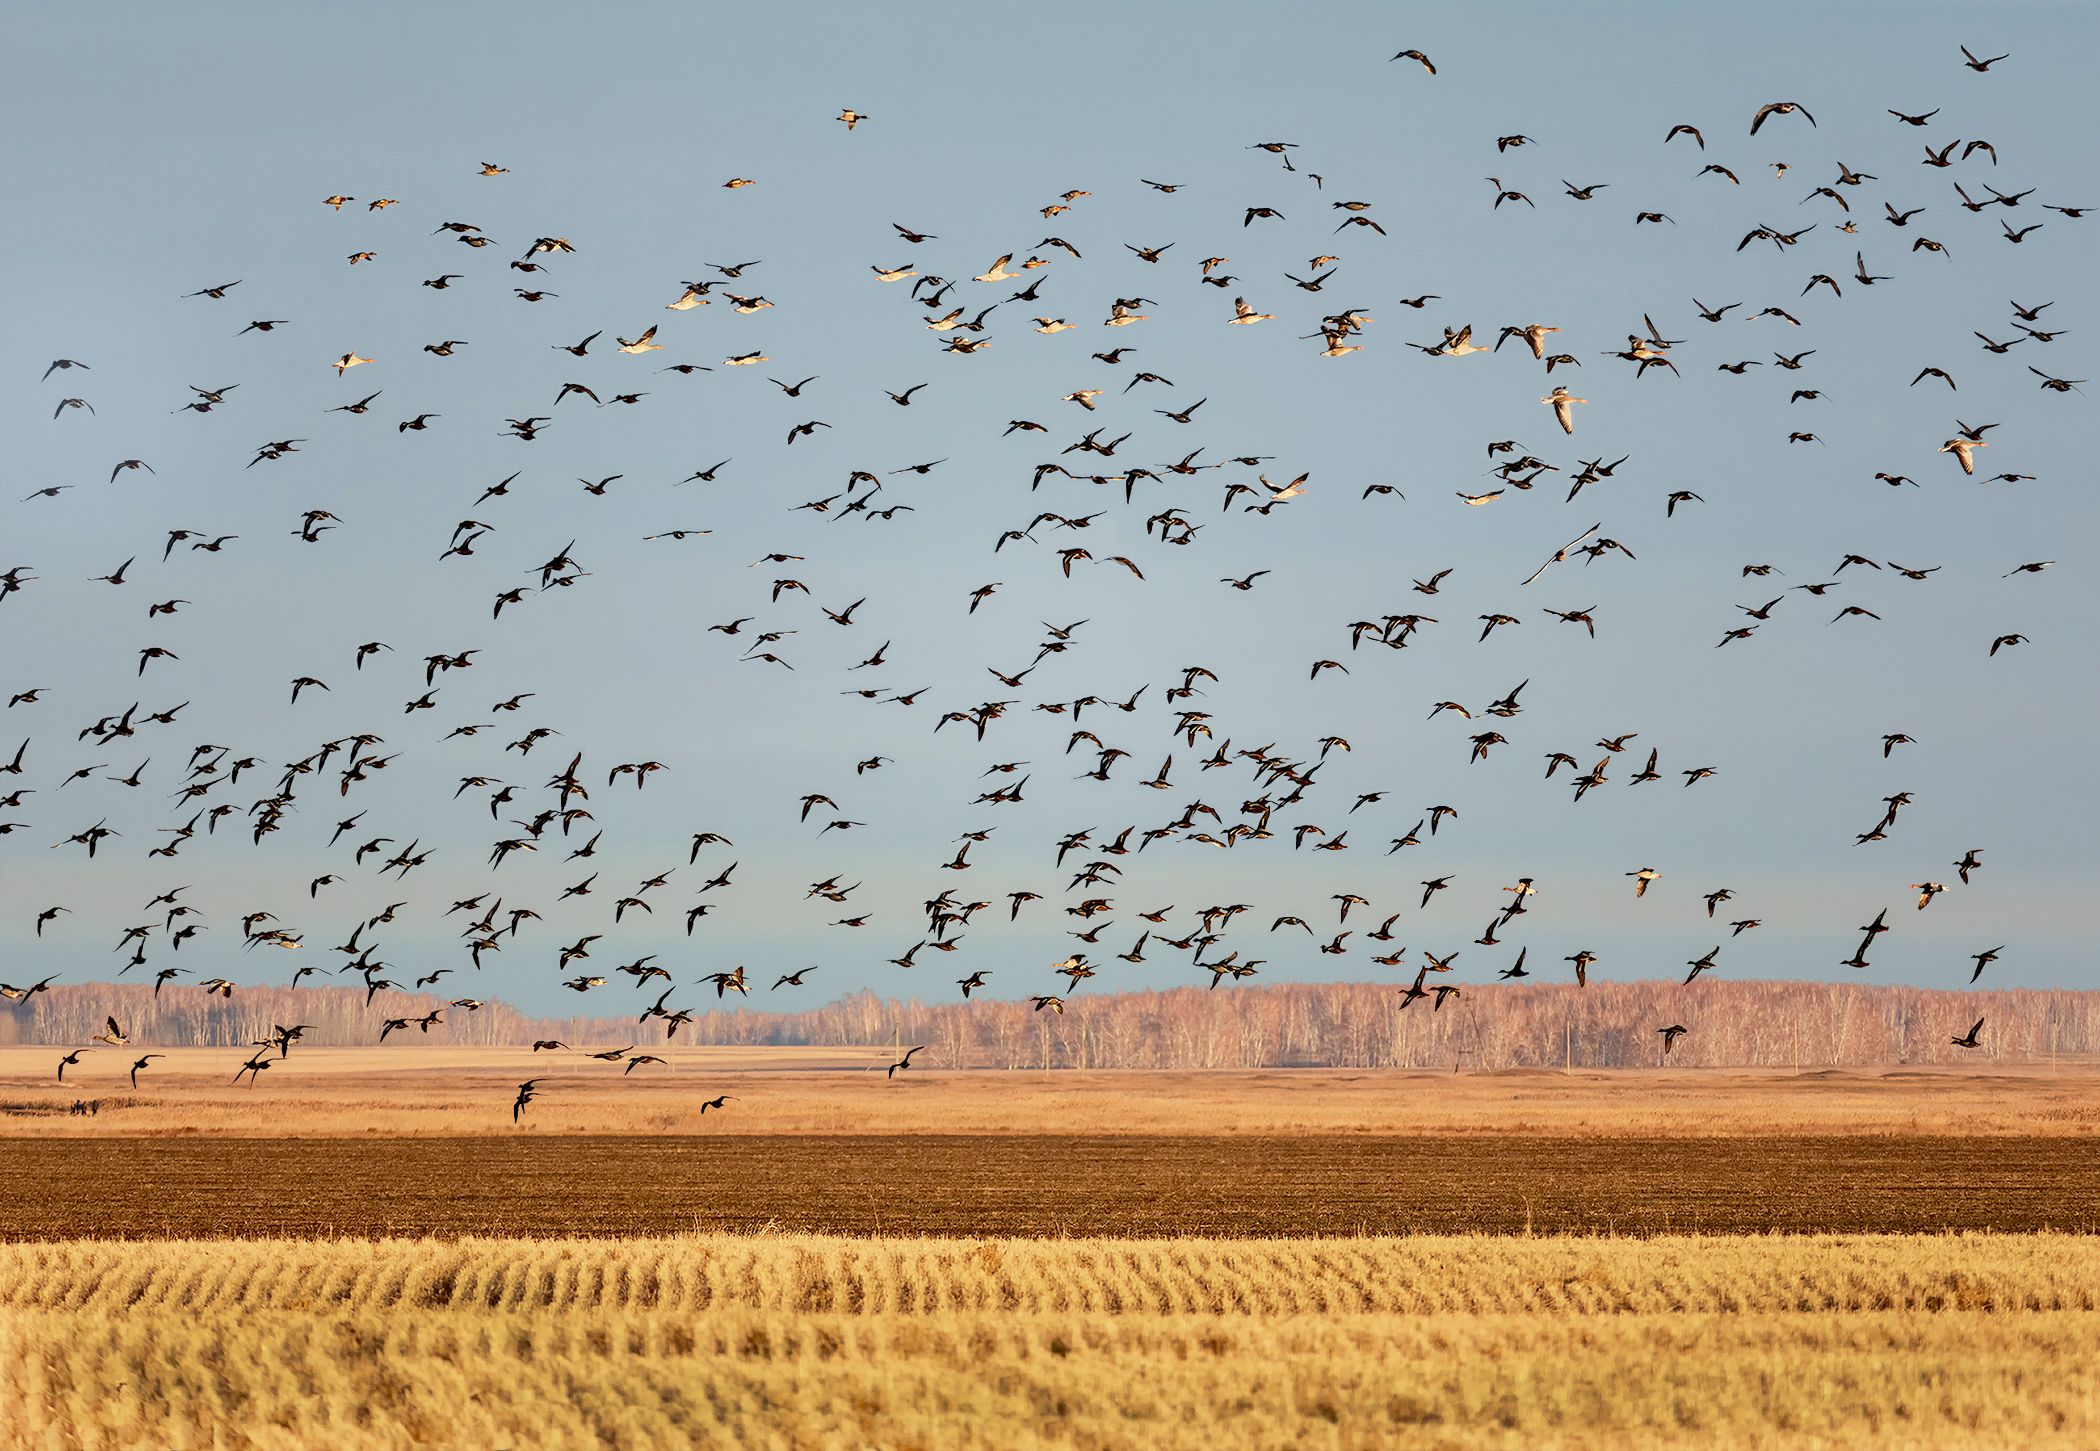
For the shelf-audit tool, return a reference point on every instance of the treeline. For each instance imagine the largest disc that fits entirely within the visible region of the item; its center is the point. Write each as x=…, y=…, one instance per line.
x=1331, y=1025
x=1364, y=1025
x=186, y=1018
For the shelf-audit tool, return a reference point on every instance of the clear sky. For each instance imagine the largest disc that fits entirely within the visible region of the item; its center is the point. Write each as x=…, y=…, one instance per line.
x=160, y=150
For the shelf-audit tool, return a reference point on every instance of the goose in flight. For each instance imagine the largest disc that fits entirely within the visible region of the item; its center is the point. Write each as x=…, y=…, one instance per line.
x=1534, y=334
x=1457, y=344
x=1507, y=194
x=1969, y=1039
x=1561, y=401
x=1561, y=554
x=1779, y=108
x=1964, y=451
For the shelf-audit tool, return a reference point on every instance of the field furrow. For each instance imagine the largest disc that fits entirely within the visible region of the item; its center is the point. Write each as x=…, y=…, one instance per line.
x=1120, y=1185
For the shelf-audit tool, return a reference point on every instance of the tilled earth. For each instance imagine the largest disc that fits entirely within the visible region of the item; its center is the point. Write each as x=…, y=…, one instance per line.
x=1041, y=1185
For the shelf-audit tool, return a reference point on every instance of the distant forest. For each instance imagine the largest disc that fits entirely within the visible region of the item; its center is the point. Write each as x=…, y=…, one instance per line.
x=1291, y=1025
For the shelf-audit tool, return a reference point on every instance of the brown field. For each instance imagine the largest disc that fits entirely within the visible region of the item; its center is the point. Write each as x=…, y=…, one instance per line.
x=1043, y=1185
x=418, y=1091
x=791, y=1342
x=1582, y=1260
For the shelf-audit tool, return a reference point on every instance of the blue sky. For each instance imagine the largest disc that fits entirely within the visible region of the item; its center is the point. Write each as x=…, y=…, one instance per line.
x=180, y=150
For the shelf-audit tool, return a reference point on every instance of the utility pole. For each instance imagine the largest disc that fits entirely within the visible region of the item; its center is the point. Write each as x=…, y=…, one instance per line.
x=1468, y=1047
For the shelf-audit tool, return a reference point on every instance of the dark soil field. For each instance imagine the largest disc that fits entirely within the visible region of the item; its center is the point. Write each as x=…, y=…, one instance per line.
x=1042, y=1185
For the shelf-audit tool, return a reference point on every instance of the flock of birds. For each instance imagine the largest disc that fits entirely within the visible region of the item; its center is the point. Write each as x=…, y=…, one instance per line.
x=537, y=807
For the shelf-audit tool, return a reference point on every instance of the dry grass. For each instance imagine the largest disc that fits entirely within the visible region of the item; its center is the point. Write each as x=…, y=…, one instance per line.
x=416, y=1090
x=796, y=1342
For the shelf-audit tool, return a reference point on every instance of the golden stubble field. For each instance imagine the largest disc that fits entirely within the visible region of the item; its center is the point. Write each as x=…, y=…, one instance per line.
x=416, y=1091
x=1112, y=1345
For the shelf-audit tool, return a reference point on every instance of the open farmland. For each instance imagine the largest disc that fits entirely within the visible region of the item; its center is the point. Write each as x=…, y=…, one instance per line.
x=439, y=1090
x=1540, y=900
x=1043, y=1184
x=778, y=1342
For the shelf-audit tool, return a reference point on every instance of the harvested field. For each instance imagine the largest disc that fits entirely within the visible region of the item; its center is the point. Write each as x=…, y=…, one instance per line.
x=779, y=1342
x=400, y=1092
x=1042, y=1185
